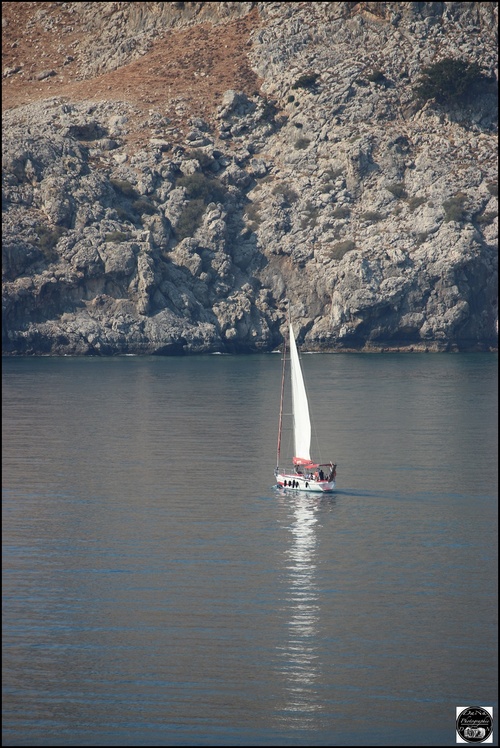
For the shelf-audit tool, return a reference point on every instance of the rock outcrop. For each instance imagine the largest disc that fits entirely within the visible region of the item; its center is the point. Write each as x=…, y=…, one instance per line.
x=329, y=186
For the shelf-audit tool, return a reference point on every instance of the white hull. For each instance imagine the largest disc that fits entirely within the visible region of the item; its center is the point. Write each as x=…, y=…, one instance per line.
x=292, y=482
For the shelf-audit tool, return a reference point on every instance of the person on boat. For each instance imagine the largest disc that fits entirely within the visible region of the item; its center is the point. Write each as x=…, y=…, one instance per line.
x=321, y=475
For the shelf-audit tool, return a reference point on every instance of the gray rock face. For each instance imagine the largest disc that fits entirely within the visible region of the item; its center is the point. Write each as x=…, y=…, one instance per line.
x=374, y=217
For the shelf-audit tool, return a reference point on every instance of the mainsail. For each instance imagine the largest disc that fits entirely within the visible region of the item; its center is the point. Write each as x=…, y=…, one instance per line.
x=301, y=420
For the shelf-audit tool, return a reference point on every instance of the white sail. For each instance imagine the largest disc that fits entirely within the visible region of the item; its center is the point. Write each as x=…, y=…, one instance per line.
x=301, y=420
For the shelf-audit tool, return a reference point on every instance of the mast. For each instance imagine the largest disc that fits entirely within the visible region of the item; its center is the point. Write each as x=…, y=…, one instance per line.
x=280, y=425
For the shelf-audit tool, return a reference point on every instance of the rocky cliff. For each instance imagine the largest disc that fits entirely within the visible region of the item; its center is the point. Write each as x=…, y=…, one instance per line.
x=173, y=173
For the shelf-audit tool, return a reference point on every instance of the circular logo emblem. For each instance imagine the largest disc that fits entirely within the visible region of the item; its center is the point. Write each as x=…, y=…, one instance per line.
x=474, y=724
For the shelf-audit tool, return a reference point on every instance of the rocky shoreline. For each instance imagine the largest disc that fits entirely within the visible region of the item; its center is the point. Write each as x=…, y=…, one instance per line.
x=327, y=187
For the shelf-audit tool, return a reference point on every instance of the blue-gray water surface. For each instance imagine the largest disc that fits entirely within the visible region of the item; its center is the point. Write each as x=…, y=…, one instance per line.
x=159, y=591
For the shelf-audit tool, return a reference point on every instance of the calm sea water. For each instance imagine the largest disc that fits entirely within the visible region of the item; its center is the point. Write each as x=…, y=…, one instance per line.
x=157, y=590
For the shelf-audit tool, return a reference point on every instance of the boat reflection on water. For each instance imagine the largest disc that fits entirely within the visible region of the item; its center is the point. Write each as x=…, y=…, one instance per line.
x=301, y=657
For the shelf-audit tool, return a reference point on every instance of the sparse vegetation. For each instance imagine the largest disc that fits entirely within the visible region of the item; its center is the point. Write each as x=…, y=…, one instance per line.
x=269, y=111
x=200, y=187
x=376, y=76
x=143, y=205
x=128, y=204
x=331, y=175
x=116, y=236
x=47, y=239
x=253, y=215
x=201, y=190
x=125, y=214
x=415, y=202
x=454, y=208
x=308, y=80
x=124, y=188
x=204, y=160
x=487, y=217
x=286, y=192
x=341, y=212
x=448, y=81
x=422, y=237
x=190, y=219
x=340, y=249
x=311, y=215
x=301, y=143
x=398, y=190
x=372, y=216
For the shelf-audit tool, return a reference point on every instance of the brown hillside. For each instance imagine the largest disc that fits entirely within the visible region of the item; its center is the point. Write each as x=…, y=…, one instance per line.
x=190, y=66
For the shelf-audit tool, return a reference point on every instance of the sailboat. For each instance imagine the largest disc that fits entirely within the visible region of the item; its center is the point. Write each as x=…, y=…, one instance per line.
x=305, y=474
